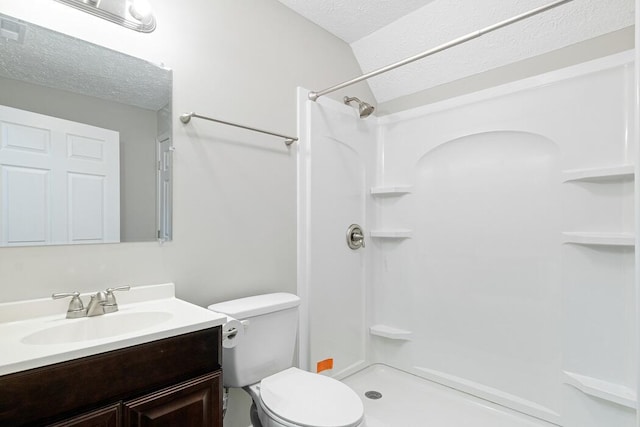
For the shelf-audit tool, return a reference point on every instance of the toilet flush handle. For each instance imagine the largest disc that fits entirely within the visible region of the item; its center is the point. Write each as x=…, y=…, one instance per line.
x=231, y=333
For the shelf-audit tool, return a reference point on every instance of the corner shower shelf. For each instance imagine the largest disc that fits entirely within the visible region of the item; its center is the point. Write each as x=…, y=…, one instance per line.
x=392, y=233
x=598, y=174
x=591, y=238
x=397, y=190
x=390, y=332
x=605, y=390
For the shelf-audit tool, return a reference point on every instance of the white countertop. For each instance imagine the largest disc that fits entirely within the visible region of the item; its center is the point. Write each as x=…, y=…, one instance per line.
x=20, y=320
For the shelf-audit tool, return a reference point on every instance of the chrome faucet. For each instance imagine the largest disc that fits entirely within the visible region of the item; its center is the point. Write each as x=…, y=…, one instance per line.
x=96, y=307
x=102, y=302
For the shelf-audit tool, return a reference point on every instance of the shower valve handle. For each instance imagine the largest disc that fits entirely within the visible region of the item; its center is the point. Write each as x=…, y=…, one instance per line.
x=355, y=237
x=358, y=238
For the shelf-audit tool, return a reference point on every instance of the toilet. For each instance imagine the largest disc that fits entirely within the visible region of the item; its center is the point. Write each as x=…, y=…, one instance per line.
x=259, y=359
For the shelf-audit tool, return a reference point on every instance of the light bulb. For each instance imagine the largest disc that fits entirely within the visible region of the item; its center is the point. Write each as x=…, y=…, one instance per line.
x=141, y=10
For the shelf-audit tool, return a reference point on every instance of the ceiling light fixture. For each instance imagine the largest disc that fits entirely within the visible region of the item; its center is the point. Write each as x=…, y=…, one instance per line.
x=141, y=10
x=133, y=14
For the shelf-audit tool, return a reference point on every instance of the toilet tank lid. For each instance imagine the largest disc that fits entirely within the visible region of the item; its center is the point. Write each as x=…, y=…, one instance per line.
x=257, y=305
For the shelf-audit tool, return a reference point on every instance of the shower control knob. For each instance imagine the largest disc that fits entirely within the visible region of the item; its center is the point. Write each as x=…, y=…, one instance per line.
x=355, y=237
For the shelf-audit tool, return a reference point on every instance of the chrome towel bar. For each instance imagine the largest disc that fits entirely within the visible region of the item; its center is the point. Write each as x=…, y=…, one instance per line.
x=186, y=118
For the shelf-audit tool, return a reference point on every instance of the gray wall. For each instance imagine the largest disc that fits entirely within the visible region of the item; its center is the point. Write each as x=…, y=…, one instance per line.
x=235, y=191
x=608, y=44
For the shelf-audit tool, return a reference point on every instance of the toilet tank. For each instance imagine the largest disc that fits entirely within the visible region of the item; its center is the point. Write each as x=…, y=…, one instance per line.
x=268, y=343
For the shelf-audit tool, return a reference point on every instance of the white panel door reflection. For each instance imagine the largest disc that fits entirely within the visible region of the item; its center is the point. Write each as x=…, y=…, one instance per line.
x=59, y=181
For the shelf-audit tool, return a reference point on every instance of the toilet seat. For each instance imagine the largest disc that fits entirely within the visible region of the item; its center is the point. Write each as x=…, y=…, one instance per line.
x=304, y=399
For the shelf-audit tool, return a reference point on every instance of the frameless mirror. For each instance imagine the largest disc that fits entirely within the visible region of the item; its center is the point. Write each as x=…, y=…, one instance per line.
x=85, y=141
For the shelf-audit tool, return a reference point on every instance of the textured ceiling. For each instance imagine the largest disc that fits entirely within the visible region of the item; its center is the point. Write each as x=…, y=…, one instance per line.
x=353, y=19
x=412, y=27
x=48, y=58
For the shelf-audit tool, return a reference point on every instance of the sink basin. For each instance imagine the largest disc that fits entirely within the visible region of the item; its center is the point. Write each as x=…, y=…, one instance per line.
x=98, y=327
x=35, y=333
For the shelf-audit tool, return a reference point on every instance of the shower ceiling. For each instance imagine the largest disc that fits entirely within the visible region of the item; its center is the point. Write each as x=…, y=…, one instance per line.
x=381, y=32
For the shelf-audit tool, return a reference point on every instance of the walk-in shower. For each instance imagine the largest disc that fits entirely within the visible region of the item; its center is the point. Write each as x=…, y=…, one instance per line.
x=500, y=248
x=500, y=251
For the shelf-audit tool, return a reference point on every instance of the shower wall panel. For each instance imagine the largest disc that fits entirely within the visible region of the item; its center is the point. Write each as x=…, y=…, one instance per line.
x=336, y=155
x=507, y=270
x=500, y=241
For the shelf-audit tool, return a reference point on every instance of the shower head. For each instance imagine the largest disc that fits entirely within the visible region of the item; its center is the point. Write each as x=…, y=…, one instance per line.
x=364, y=109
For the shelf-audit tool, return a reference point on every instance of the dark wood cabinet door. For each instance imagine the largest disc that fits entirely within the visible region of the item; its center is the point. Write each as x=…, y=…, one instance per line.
x=105, y=417
x=76, y=386
x=195, y=403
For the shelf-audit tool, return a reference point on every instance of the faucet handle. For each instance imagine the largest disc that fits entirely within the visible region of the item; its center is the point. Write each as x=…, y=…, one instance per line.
x=110, y=305
x=76, y=307
x=119, y=288
x=110, y=297
x=65, y=294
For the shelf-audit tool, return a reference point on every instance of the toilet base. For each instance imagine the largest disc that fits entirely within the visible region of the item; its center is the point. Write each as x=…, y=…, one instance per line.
x=253, y=414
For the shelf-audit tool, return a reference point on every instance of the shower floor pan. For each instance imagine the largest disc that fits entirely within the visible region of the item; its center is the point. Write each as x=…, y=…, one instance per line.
x=408, y=401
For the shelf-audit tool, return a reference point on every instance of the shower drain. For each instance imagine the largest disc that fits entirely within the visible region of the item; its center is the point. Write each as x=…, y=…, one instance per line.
x=373, y=394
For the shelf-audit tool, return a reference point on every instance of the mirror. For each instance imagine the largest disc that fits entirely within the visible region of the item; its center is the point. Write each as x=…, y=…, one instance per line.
x=85, y=141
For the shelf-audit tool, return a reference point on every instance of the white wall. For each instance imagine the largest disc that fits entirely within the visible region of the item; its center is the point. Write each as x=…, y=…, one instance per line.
x=500, y=304
x=337, y=163
x=636, y=140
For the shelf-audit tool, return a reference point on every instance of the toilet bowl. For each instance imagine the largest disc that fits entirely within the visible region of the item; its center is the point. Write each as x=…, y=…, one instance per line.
x=260, y=360
x=294, y=398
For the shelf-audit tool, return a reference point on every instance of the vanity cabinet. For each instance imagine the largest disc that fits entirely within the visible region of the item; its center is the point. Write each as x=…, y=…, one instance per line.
x=173, y=381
